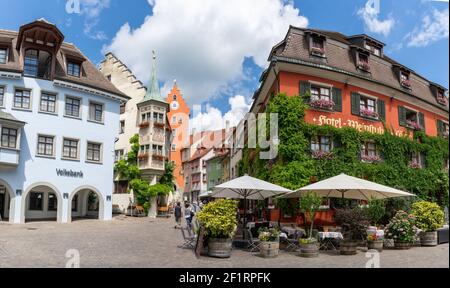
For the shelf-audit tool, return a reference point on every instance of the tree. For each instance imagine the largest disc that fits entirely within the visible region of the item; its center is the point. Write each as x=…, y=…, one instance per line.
x=309, y=205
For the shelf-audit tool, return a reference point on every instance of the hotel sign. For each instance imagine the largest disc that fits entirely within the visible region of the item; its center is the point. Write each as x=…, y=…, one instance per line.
x=69, y=173
x=361, y=127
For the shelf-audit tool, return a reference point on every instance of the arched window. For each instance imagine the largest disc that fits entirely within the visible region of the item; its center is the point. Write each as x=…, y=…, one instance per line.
x=37, y=63
x=174, y=97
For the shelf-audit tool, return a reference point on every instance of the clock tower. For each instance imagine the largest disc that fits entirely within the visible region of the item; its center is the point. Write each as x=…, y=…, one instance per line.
x=179, y=121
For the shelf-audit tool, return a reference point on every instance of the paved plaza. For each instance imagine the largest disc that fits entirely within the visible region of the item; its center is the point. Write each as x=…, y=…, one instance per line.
x=141, y=242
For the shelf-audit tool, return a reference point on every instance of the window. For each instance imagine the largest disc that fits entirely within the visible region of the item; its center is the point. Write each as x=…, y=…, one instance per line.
x=119, y=155
x=70, y=149
x=94, y=152
x=368, y=107
x=417, y=160
x=122, y=127
x=157, y=150
x=36, y=201
x=3, y=55
x=321, y=143
x=174, y=147
x=73, y=69
x=439, y=96
x=174, y=97
x=2, y=96
x=320, y=93
x=404, y=79
x=158, y=117
x=22, y=99
x=45, y=145
x=377, y=51
x=75, y=203
x=95, y=112
x=369, y=149
x=48, y=103
x=146, y=117
x=9, y=138
x=73, y=107
x=37, y=64
x=411, y=117
x=317, y=46
x=52, y=202
x=174, y=120
x=363, y=58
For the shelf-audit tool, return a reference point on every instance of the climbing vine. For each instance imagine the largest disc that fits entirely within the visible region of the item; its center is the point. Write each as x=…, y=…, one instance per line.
x=295, y=167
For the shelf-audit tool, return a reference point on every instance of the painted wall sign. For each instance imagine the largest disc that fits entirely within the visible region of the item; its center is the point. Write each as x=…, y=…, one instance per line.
x=361, y=127
x=69, y=173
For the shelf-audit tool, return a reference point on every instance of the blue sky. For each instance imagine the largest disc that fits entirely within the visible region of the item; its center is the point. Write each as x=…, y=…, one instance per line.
x=225, y=59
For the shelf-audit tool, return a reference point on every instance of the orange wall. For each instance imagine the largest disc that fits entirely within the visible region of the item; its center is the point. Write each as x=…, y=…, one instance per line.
x=182, y=129
x=290, y=82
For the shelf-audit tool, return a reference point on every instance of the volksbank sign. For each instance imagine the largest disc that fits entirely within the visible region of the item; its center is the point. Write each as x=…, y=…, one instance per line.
x=69, y=173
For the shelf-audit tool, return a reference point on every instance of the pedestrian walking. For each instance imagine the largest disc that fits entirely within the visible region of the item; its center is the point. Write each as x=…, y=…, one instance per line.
x=178, y=213
x=189, y=214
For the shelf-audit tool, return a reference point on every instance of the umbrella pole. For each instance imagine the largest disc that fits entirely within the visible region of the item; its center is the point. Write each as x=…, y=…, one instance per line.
x=245, y=217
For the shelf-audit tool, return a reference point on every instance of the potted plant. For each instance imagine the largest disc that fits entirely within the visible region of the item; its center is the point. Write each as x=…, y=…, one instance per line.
x=375, y=212
x=429, y=218
x=220, y=223
x=401, y=228
x=144, y=124
x=354, y=225
x=322, y=104
x=270, y=242
x=309, y=204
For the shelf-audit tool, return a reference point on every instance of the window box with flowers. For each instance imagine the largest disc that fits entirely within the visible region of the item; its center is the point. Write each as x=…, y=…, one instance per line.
x=371, y=159
x=144, y=125
x=159, y=124
x=318, y=51
x=321, y=155
x=367, y=113
x=406, y=83
x=142, y=156
x=324, y=104
x=414, y=125
x=414, y=165
x=159, y=157
x=364, y=66
x=445, y=134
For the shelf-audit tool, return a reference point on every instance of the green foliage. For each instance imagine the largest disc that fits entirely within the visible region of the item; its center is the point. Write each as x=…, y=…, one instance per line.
x=401, y=228
x=429, y=216
x=269, y=235
x=168, y=177
x=294, y=165
x=309, y=204
x=286, y=206
x=354, y=223
x=219, y=218
x=376, y=211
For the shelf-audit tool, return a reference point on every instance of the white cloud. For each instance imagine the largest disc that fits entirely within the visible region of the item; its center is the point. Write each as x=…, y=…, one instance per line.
x=92, y=9
x=434, y=28
x=203, y=44
x=372, y=23
x=213, y=119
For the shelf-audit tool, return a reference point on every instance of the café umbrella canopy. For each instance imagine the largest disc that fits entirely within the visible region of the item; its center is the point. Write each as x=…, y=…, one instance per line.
x=348, y=187
x=248, y=188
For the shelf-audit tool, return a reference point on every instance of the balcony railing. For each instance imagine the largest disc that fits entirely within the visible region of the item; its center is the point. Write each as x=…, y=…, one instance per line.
x=9, y=157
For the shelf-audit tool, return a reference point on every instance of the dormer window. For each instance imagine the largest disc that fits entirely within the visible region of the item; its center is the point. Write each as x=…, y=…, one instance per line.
x=377, y=51
x=373, y=48
x=440, y=97
x=73, y=69
x=363, y=62
x=404, y=79
x=37, y=63
x=3, y=55
x=317, y=46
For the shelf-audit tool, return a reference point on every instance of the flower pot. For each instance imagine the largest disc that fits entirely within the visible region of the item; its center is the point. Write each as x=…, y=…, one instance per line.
x=429, y=239
x=219, y=248
x=309, y=250
x=348, y=247
x=375, y=245
x=269, y=249
x=402, y=245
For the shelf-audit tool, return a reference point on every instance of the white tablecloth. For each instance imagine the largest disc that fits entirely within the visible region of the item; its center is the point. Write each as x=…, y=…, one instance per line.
x=330, y=235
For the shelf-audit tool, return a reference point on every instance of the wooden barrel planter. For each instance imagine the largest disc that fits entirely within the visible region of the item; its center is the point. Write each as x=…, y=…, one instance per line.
x=309, y=250
x=375, y=245
x=429, y=239
x=401, y=245
x=348, y=247
x=269, y=249
x=219, y=248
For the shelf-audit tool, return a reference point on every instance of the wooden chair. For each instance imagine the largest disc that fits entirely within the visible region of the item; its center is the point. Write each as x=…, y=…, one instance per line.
x=140, y=211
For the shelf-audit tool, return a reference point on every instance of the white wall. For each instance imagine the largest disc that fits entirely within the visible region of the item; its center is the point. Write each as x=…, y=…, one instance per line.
x=33, y=170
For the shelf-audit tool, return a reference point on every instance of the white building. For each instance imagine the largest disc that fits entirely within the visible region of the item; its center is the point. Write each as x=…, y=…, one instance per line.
x=59, y=117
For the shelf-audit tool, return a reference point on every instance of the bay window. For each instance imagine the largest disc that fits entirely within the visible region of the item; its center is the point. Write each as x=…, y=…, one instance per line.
x=2, y=96
x=9, y=138
x=3, y=55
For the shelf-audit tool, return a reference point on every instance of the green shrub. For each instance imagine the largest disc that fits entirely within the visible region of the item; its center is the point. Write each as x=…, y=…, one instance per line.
x=429, y=216
x=376, y=211
x=401, y=228
x=219, y=218
x=354, y=223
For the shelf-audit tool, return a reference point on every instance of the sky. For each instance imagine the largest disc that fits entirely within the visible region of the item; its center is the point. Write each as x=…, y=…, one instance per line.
x=217, y=50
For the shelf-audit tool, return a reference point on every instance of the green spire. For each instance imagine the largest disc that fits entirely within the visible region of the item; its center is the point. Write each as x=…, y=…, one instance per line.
x=153, y=91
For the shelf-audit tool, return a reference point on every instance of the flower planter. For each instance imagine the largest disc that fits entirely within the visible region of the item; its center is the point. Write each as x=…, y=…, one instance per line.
x=402, y=245
x=348, y=247
x=219, y=248
x=309, y=250
x=144, y=125
x=269, y=249
x=375, y=245
x=429, y=239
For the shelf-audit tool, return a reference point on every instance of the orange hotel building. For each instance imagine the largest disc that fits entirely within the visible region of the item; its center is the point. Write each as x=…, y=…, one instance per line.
x=352, y=83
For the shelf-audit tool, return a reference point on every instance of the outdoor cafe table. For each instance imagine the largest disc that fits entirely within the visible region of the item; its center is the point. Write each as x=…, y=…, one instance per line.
x=326, y=239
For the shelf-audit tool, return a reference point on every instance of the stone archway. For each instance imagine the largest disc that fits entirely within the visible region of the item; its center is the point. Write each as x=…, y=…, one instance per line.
x=7, y=202
x=38, y=203
x=86, y=202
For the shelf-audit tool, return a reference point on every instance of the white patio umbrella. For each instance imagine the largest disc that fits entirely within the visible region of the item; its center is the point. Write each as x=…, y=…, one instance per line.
x=248, y=188
x=348, y=187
